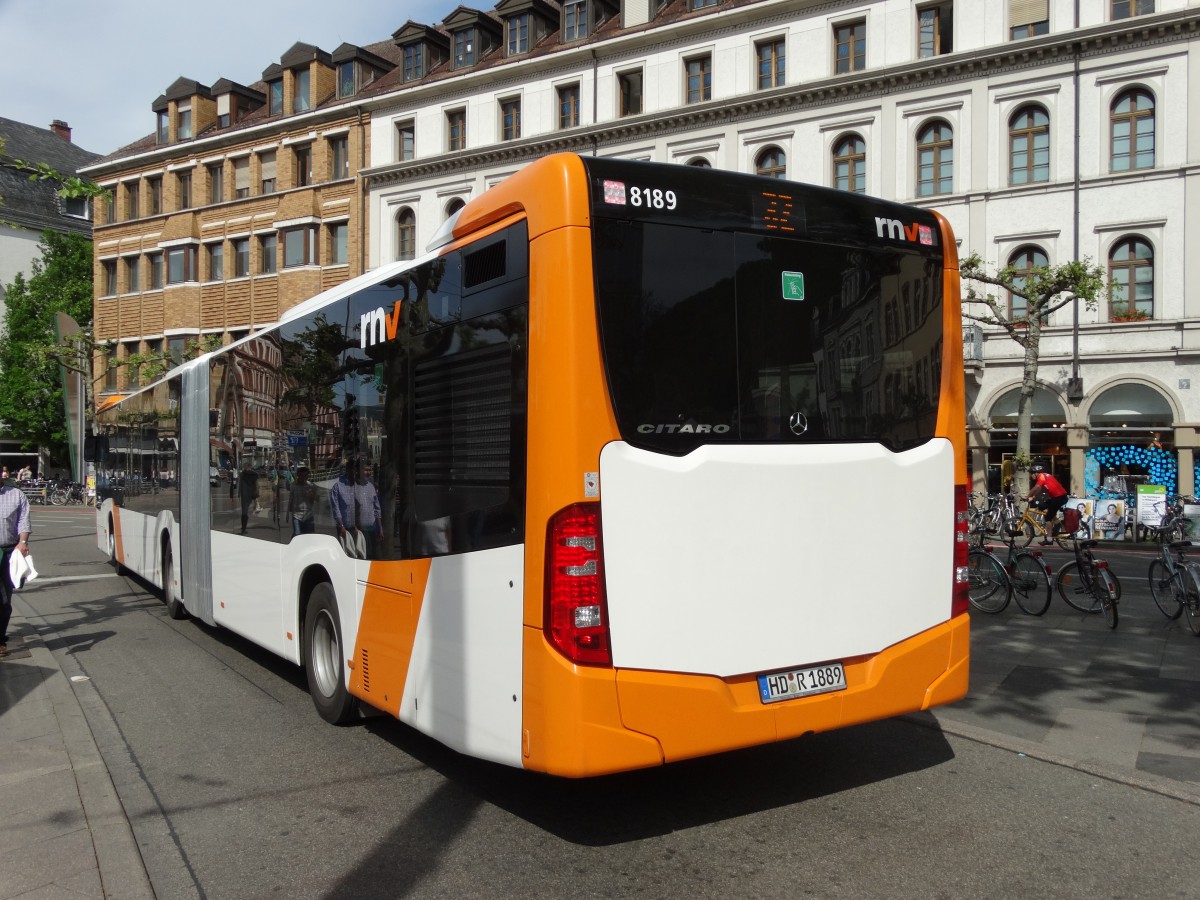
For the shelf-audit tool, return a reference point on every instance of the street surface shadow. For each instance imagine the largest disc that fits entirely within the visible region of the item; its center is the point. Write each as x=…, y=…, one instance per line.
x=632, y=806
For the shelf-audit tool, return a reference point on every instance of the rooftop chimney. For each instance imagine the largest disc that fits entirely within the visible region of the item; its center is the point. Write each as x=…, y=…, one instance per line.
x=62, y=129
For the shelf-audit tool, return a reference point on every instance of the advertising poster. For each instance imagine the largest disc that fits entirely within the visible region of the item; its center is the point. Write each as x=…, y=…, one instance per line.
x=1085, y=507
x=1109, y=520
x=1151, y=504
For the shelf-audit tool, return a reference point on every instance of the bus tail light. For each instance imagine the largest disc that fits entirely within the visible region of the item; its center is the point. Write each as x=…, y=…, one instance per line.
x=962, y=537
x=575, y=618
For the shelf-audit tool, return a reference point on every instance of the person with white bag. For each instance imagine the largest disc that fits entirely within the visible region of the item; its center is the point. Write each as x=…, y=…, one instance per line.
x=14, y=538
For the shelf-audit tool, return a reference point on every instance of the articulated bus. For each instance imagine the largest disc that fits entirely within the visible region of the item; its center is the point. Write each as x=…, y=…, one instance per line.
x=585, y=489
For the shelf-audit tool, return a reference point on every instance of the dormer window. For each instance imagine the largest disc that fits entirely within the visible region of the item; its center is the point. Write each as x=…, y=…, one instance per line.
x=301, y=100
x=234, y=102
x=184, y=130
x=575, y=20
x=162, y=131
x=466, y=42
x=414, y=62
x=275, y=97
x=345, y=79
x=518, y=34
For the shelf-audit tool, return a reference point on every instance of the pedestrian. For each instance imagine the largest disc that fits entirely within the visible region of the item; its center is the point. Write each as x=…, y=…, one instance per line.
x=14, y=537
x=302, y=503
x=354, y=504
x=248, y=491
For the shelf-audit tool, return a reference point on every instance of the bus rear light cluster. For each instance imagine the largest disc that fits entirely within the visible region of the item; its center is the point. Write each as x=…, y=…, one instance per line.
x=575, y=617
x=962, y=537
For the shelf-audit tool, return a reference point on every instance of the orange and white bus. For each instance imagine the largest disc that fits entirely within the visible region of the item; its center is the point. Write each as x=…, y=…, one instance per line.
x=640, y=463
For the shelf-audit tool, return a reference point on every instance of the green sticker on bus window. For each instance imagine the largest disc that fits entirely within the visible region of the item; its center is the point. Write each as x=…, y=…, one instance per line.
x=793, y=285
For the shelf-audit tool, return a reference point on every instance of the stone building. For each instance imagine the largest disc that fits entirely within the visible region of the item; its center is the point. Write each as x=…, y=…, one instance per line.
x=1044, y=130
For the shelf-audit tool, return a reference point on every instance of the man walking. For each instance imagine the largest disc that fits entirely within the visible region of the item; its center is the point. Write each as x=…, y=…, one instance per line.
x=14, y=537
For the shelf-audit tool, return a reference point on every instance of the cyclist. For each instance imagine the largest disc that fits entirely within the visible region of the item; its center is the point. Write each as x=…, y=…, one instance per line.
x=1051, y=497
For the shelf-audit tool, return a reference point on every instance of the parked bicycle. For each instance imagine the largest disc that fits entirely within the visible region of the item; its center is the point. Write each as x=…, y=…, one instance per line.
x=988, y=585
x=1087, y=584
x=1173, y=526
x=1028, y=576
x=1175, y=583
x=67, y=492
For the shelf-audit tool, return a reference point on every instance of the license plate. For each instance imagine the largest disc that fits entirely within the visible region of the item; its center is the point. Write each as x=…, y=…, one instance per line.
x=801, y=682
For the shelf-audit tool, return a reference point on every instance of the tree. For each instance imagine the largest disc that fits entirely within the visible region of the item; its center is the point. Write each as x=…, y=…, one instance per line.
x=31, y=399
x=1045, y=290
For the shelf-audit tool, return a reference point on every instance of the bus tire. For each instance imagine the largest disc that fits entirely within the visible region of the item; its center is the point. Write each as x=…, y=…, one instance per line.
x=175, y=607
x=323, y=660
x=112, y=548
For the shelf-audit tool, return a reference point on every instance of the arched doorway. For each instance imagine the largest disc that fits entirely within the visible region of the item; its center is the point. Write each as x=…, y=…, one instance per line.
x=1048, y=436
x=1130, y=441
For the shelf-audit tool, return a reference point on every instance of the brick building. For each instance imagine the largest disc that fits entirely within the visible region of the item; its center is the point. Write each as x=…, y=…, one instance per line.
x=244, y=201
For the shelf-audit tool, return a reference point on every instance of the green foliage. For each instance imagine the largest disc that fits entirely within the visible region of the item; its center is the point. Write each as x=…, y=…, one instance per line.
x=69, y=186
x=31, y=400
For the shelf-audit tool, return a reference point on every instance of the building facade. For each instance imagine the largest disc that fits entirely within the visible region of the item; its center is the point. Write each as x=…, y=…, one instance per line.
x=244, y=201
x=1044, y=130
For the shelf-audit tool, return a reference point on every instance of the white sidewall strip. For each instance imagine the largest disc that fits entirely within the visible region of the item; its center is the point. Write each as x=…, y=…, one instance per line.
x=740, y=559
x=464, y=678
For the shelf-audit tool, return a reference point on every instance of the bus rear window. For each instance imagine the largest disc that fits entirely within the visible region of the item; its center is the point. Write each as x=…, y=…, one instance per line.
x=721, y=336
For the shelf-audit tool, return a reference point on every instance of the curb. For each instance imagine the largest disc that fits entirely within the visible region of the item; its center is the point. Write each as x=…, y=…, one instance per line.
x=1157, y=784
x=122, y=870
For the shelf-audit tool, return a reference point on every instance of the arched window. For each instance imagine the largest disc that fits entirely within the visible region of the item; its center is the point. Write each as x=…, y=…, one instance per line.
x=772, y=162
x=1132, y=124
x=1023, y=262
x=850, y=164
x=935, y=159
x=1029, y=146
x=700, y=163
x=406, y=234
x=1131, y=271
x=454, y=206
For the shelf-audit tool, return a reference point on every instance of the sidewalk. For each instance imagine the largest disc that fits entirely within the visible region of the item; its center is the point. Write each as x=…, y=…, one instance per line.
x=1123, y=705
x=65, y=833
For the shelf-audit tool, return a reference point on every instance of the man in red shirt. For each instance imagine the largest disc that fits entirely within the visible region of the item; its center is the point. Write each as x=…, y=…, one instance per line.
x=1052, y=497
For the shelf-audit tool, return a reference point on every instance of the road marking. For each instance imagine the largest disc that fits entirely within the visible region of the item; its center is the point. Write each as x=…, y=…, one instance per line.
x=56, y=579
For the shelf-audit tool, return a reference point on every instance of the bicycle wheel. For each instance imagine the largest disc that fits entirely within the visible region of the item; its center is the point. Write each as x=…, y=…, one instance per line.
x=1107, y=590
x=1075, y=589
x=1028, y=530
x=987, y=585
x=1165, y=590
x=1030, y=584
x=1192, y=603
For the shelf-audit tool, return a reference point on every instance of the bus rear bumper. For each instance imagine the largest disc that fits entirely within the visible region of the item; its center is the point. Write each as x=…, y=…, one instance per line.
x=696, y=715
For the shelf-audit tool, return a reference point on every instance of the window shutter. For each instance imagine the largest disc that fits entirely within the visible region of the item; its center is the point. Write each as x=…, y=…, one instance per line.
x=241, y=173
x=222, y=104
x=1026, y=12
x=268, y=165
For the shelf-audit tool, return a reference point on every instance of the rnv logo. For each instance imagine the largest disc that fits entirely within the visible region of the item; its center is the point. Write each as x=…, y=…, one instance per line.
x=898, y=231
x=378, y=326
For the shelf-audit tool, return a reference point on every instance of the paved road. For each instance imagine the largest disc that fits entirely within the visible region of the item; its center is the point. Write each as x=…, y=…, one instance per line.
x=234, y=788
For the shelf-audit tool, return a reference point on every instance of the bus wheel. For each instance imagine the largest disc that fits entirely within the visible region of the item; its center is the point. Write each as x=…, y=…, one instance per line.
x=323, y=662
x=112, y=548
x=175, y=607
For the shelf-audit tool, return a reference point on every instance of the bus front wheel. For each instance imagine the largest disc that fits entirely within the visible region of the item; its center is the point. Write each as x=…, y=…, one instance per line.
x=323, y=662
x=112, y=548
x=175, y=607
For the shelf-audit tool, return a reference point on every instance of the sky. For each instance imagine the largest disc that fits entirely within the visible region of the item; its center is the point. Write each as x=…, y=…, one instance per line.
x=99, y=66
